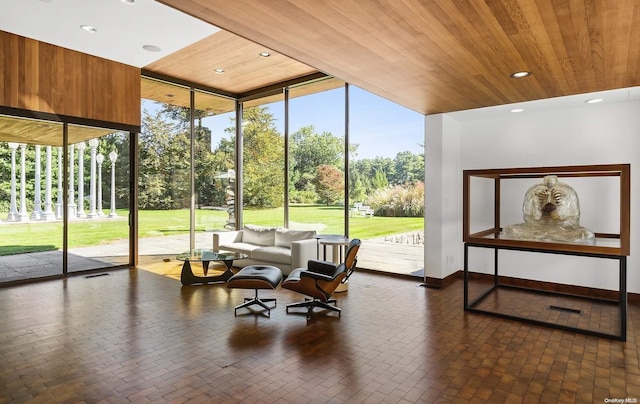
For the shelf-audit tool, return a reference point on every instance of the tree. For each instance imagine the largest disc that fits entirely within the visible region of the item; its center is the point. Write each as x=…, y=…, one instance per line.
x=263, y=162
x=409, y=168
x=310, y=150
x=164, y=176
x=329, y=184
x=380, y=180
x=357, y=193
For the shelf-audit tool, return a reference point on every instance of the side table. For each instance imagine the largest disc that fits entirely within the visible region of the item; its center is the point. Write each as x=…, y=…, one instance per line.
x=338, y=245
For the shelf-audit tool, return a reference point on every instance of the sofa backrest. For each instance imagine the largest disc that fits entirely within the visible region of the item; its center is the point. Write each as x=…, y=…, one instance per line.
x=259, y=235
x=272, y=236
x=284, y=237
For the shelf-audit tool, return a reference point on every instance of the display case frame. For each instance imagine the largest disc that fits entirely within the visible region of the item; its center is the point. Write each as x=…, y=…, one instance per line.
x=613, y=246
x=606, y=243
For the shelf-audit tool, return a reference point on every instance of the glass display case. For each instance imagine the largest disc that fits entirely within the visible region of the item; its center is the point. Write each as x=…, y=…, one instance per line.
x=493, y=201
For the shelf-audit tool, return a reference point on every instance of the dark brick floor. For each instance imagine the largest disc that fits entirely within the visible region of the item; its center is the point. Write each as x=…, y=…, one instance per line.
x=136, y=336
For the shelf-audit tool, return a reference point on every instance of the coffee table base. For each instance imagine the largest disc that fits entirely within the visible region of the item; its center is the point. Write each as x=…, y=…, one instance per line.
x=188, y=278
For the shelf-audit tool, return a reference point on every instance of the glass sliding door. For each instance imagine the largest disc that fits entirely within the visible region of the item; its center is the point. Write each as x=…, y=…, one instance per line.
x=263, y=161
x=98, y=197
x=31, y=221
x=316, y=157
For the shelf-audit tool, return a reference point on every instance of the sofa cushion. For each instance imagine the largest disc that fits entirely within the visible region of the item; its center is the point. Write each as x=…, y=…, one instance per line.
x=239, y=247
x=284, y=237
x=278, y=255
x=258, y=235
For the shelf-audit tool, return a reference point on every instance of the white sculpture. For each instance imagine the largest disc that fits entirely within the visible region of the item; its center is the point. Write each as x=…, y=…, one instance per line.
x=551, y=212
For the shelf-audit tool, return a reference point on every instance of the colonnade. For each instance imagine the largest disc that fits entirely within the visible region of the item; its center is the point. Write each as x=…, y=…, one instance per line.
x=47, y=210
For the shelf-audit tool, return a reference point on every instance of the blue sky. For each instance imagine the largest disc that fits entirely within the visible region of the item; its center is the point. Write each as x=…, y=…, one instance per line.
x=380, y=127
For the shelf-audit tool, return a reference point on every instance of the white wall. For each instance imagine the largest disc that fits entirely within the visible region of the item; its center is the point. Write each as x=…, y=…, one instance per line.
x=587, y=134
x=444, y=190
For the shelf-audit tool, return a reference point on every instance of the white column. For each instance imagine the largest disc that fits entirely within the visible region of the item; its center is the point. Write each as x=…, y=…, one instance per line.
x=113, y=156
x=80, y=212
x=22, y=215
x=99, y=160
x=93, y=144
x=71, y=211
x=37, y=190
x=48, y=212
x=13, y=211
x=59, y=201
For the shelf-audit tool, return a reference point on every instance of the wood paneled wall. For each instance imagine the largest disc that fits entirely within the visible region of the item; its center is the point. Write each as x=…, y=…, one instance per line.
x=42, y=77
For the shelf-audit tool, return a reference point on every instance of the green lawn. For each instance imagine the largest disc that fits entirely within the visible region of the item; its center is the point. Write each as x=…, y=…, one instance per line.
x=19, y=238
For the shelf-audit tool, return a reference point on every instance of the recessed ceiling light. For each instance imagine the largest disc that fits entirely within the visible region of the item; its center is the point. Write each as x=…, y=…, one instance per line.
x=89, y=28
x=128, y=1
x=520, y=75
x=219, y=71
x=151, y=48
x=265, y=54
x=517, y=110
x=594, y=100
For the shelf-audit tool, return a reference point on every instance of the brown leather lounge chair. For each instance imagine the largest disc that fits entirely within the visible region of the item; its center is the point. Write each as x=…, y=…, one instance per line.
x=320, y=279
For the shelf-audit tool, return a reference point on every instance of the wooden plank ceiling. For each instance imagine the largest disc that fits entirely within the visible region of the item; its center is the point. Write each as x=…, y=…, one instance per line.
x=431, y=56
x=245, y=72
x=46, y=133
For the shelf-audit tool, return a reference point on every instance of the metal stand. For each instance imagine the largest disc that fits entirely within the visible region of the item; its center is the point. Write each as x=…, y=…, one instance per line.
x=256, y=300
x=310, y=304
x=622, y=292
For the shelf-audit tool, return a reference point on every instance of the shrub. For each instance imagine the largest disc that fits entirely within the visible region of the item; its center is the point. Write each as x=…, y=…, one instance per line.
x=398, y=201
x=303, y=196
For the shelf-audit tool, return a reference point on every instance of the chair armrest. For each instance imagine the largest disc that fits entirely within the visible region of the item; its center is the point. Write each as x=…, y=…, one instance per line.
x=226, y=237
x=302, y=251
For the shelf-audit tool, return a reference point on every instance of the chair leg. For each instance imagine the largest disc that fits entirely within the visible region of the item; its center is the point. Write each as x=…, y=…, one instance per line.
x=256, y=300
x=311, y=304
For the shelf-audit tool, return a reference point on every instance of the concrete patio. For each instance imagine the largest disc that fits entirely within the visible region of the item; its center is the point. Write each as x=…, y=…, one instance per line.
x=374, y=255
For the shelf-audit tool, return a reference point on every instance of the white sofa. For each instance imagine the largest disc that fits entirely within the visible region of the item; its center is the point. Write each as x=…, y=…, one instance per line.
x=284, y=248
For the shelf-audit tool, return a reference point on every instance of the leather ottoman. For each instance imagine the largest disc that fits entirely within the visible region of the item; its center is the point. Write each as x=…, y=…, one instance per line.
x=256, y=277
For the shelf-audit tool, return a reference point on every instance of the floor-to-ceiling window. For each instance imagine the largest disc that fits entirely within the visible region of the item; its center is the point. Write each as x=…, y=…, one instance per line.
x=187, y=175
x=164, y=174
x=263, y=161
x=214, y=164
x=306, y=127
x=386, y=182
x=316, y=157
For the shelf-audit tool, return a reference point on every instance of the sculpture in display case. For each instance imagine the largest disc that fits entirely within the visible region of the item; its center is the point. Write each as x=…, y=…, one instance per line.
x=551, y=212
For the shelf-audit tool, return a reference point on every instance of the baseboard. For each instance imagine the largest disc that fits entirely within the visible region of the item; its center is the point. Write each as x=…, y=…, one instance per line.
x=437, y=283
x=549, y=286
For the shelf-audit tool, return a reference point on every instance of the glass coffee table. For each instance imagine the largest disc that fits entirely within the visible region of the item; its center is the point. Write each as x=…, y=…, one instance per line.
x=205, y=256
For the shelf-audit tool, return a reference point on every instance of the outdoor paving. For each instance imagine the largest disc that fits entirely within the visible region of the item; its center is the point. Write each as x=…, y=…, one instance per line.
x=394, y=258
